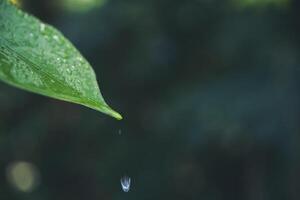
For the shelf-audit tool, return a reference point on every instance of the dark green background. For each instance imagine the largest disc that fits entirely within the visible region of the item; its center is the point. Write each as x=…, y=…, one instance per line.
x=209, y=92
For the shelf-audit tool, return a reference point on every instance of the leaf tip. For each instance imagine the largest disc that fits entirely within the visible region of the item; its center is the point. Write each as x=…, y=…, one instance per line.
x=111, y=112
x=118, y=116
x=115, y=114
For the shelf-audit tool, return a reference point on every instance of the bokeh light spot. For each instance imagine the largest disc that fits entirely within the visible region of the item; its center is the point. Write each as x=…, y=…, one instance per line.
x=23, y=176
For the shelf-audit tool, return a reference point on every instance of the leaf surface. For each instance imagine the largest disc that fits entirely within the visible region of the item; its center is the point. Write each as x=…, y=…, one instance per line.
x=36, y=57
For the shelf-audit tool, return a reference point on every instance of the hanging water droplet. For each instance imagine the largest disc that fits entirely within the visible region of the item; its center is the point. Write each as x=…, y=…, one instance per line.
x=120, y=132
x=125, y=183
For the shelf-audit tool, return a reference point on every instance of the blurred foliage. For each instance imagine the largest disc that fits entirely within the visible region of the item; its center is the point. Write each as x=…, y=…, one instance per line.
x=16, y=2
x=80, y=5
x=261, y=3
x=211, y=95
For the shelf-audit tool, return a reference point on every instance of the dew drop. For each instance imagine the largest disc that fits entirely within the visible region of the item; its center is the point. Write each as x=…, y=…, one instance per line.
x=55, y=37
x=42, y=27
x=125, y=183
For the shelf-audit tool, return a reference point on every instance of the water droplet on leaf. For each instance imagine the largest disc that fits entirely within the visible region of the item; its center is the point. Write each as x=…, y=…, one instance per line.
x=42, y=27
x=55, y=37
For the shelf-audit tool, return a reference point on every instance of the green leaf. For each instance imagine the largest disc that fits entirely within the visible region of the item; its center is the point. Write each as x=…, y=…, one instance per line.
x=38, y=58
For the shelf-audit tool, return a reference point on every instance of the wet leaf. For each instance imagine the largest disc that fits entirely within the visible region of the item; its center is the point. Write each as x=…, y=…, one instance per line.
x=38, y=58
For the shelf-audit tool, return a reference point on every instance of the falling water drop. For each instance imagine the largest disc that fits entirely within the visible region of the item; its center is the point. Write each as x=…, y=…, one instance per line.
x=125, y=183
